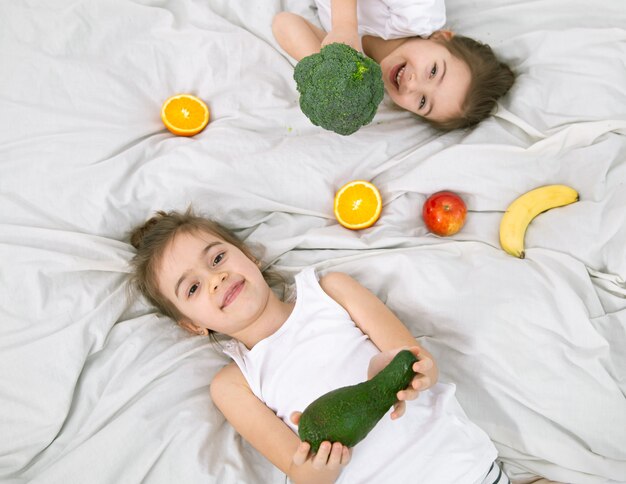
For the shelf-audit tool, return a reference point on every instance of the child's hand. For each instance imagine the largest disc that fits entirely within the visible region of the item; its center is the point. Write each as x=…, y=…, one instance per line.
x=419, y=383
x=328, y=457
x=343, y=36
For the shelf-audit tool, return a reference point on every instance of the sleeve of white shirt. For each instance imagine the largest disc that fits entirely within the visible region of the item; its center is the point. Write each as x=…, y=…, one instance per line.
x=408, y=18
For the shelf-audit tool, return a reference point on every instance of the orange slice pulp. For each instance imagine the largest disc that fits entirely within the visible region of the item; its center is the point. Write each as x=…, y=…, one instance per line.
x=185, y=114
x=358, y=205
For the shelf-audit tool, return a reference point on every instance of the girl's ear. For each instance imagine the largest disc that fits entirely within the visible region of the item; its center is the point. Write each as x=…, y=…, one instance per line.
x=192, y=328
x=443, y=34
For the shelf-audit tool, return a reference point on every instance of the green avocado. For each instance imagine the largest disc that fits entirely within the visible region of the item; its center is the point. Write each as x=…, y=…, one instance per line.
x=348, y=414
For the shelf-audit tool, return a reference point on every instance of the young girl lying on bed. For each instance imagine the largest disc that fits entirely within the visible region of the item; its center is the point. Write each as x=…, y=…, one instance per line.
x=450, y=81
x=288, y=353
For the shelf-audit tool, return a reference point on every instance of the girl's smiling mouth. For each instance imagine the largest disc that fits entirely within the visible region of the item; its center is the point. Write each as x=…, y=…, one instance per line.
x=395, y=76
x=232, y=293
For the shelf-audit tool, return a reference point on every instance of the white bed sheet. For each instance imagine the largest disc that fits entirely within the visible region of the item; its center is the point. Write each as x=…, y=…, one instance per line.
x=94, y=388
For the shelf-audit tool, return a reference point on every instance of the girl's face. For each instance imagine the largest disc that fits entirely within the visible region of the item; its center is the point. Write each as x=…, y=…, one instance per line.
x=422, y=76
x=213, y=283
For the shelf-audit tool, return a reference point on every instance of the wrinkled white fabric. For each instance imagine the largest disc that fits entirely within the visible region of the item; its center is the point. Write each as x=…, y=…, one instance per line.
x=94, y=389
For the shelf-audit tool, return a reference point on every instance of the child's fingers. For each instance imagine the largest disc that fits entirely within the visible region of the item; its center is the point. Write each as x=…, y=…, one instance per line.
x=423, y=365
x=407, y=395
x=398, y=410
x=418, y=384
x=321, y=457
x=346, y=455
x=302, y=453
x=295, y=417
x=334, y=460
x=415, y=350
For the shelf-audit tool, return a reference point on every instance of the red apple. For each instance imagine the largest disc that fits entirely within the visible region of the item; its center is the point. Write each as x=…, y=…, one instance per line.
x=444, y=213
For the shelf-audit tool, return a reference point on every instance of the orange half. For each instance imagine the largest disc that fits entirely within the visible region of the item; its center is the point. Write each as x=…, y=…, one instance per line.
x=185, y=114
x=358, y=205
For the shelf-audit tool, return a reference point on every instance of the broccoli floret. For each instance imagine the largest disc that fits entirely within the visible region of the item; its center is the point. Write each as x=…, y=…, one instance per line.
x=340, y=89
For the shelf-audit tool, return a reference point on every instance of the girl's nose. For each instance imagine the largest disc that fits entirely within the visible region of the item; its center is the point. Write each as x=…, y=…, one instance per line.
x=216, y=280
x=412, y=83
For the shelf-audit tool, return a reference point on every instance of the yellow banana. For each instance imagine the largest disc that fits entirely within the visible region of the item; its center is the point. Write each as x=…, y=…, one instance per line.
x=525, y=208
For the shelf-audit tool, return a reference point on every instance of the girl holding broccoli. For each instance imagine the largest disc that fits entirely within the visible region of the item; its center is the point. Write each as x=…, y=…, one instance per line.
x=333, y=332
x=450, y=81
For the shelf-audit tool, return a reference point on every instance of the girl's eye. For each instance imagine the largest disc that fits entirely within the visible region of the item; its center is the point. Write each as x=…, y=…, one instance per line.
x=422, y=102
x=433, y=71
x=218, y=258
x=192, y=289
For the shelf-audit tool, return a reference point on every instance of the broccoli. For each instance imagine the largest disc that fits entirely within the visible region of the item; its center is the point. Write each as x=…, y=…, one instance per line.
x=340, y=89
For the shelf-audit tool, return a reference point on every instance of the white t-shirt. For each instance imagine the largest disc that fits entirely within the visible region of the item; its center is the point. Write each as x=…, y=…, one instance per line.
x=318, y=349
x=392, y=19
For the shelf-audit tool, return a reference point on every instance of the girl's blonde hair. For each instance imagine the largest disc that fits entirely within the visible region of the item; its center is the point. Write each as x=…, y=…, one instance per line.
x=152, y=238
x=491, y=79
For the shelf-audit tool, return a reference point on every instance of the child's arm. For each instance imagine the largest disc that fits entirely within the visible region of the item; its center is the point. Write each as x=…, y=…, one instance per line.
x=300, y=38
x=297, y=36
x=267, y=433
x=344, y=26
x=382, y=326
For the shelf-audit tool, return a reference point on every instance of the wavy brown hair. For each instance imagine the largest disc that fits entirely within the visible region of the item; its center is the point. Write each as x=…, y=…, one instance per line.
x=490, y=80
